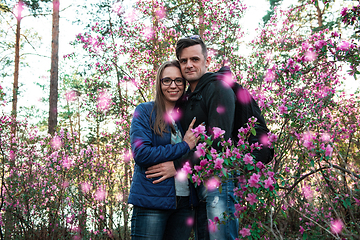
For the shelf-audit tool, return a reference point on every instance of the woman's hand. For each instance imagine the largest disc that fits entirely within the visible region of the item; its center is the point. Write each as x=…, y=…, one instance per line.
x=189, y=137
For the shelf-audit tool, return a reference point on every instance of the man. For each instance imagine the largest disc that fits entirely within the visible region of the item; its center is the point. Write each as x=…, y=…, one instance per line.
x=212, y=103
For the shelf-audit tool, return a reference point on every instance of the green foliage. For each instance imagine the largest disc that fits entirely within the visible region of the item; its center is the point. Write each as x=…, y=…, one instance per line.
x=270, y=13
x=292, y=74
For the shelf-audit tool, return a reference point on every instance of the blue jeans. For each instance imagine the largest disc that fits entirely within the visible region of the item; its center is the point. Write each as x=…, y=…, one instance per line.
x=214, y=204
x=156, y=224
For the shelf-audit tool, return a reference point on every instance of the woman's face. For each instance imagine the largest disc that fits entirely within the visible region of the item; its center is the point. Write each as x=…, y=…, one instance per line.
x=172, y=90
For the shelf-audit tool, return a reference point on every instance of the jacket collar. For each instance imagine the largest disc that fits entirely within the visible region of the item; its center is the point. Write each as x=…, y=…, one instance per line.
x=203, y=81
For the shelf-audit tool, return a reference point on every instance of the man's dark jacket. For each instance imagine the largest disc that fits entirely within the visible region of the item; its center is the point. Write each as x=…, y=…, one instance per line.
x=219, y=108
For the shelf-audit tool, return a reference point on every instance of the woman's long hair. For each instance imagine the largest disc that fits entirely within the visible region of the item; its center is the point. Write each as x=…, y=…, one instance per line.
x=160, y=123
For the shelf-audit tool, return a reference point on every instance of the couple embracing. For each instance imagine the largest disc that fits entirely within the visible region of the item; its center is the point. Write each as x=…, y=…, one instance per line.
x=166, y=207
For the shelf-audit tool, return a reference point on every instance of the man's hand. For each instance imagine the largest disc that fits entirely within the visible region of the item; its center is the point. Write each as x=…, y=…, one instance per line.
x=164, y=170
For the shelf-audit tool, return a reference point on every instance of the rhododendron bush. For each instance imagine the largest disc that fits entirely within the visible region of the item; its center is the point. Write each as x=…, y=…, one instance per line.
x=74, y=184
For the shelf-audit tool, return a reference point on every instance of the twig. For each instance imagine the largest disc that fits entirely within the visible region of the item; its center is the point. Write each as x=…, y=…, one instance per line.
x=312, y=221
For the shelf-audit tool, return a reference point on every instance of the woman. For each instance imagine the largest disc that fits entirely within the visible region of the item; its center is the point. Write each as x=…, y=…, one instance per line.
x=163, y=210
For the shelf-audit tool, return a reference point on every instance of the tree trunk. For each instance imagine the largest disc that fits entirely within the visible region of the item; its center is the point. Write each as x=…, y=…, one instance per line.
x=201, y=19
x=54, y=69
x=9, y=216
x=16, y=71
x=319, y=16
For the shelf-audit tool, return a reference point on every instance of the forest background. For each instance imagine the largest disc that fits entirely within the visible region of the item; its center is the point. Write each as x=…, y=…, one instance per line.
x=66, y=168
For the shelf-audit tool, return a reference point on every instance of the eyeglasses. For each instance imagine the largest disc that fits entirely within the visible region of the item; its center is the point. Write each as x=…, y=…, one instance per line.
x=168, y=81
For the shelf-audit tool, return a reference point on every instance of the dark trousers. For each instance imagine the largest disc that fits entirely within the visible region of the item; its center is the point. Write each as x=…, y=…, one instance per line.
x=155, y=224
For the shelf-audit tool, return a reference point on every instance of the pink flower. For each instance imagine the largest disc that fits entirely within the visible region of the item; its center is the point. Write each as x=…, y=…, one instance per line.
x=197, y=168
x=248, y=159
x=328, y=150
x=268, y=182
x=308, y=136
x=308, y=193
x=218, y=163
x=283, y=109
x=245, y=232
x=12, y=155
x=199, y=130
x=305, y=45
x=273, y=138
x=254, y=179
x=343, y=11
x=344, y=46
x=217, y=132
x=302, y=230
x=251, y=198
x=271, y=174
x=320, y=43
x=260, y=165
x=196, y=180
x=203, y=162
x=270, y=76
x=357, y=201
x=200, y=151
x=184, y=171
x=336, y=226
x=308, y=144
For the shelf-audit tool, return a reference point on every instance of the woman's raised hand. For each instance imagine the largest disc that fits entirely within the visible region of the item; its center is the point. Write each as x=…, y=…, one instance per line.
x=189, y=137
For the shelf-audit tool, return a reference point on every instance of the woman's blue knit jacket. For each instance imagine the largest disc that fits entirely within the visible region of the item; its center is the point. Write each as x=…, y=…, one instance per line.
x=149, y=149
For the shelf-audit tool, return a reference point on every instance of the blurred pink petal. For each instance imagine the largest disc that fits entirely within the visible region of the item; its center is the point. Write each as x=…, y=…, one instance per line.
x=212, y=184
x=85, y=187
x=310, y=56
x=336, y=226
x=190, y=221
x=212, y=226
x=243, y=96
x=181, y=176
x=56, y=143
x=103, y=101
x=100, y=194
x=221, y=109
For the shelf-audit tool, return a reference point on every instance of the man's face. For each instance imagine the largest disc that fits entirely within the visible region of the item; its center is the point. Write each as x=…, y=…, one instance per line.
x=193, y=63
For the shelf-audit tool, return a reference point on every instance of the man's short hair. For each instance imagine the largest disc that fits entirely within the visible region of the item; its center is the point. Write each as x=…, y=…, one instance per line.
x=188, y=42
